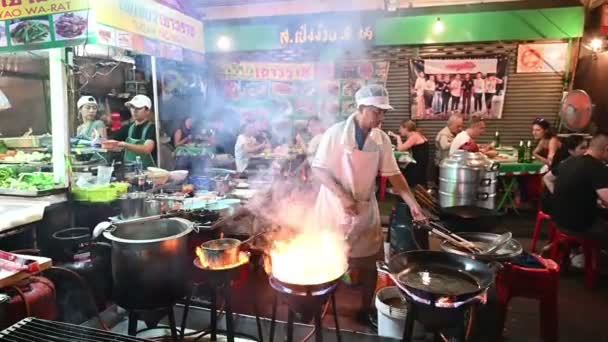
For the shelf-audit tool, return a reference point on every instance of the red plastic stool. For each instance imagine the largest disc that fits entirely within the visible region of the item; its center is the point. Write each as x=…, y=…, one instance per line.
x=591, y=252
x=536, y=283
x=540, y=217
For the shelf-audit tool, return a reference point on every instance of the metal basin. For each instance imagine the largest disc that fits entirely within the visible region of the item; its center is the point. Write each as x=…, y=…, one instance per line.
x=507, y=252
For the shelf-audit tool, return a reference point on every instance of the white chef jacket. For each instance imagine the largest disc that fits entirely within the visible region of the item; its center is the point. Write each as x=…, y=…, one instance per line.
x=356, y=171
x=241, y=157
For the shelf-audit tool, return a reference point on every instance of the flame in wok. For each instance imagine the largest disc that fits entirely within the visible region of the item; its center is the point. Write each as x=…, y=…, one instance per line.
x=309, y=258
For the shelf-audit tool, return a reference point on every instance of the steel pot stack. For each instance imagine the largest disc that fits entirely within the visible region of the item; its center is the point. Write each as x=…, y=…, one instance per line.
x=150, y=260
x=468, y=179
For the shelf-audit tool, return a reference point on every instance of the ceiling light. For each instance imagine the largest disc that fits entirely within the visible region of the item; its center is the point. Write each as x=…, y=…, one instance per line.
x=596, y=45
x=224, y=43
x=439, y=27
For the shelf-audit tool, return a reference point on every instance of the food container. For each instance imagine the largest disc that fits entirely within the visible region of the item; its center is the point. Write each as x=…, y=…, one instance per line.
x=219, y=253
x=467, y=178
x=27, y=142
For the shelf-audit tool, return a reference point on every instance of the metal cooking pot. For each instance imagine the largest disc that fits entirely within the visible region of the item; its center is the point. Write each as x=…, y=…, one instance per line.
x=470, y=219
x=221, y=252
x=149, y=262
x=132, y=205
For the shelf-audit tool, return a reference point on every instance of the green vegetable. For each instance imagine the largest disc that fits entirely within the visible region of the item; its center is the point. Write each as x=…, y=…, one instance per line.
x=29, y=181
x=3, y=148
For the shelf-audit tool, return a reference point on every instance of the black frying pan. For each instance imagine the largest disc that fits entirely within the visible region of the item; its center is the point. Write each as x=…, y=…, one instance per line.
x=438, y=276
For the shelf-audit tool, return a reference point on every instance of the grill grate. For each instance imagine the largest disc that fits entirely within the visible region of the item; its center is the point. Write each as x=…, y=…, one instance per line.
x=38, y=330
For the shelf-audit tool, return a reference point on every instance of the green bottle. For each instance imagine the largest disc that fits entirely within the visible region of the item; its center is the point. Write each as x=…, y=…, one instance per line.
x=497, y=139
x=521, y=152
x=529, y=152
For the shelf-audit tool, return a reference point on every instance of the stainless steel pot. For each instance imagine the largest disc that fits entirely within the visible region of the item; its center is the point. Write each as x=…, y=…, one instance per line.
x=132, y=205
x=467, y=178
x=149, y=262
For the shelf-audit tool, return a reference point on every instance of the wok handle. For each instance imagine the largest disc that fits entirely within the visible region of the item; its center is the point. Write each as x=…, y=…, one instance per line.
x=382, y=267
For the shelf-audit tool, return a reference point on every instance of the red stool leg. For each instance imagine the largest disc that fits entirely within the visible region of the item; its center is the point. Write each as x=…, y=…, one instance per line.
x=592, y=260
x=537, y=227
x=555, y=248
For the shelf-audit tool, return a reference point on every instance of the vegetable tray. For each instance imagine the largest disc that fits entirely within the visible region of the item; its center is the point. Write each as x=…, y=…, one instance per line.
x=31, y=193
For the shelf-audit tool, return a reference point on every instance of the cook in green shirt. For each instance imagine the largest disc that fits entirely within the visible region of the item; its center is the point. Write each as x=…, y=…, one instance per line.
x=139, y=138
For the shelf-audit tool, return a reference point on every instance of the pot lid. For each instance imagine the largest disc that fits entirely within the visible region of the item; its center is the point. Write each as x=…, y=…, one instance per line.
x=465, y=159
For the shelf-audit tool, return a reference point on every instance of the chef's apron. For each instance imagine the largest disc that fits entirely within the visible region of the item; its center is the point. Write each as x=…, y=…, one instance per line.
x=130, y=156
x=357, y=173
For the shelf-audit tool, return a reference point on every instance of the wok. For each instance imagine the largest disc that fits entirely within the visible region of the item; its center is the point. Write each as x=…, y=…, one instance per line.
x=451, y=278
x=470, y=219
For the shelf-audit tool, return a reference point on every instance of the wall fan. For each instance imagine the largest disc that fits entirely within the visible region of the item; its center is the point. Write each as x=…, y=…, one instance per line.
x=576, y=110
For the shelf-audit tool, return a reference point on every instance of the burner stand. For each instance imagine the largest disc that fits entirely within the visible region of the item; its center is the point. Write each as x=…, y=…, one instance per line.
x=439, y=320
x=305, y=300
x=151, y=318
x=218, y=282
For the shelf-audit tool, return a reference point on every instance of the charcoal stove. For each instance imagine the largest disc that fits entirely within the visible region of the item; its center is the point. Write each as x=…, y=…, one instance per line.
x=39, y=330
x=306, y=300
x=218, y=283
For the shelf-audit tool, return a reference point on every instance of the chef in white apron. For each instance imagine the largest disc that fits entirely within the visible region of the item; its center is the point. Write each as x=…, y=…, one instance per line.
x=350, y=156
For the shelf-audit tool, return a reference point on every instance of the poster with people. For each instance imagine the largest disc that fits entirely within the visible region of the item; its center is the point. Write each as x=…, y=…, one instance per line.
x=441, y=87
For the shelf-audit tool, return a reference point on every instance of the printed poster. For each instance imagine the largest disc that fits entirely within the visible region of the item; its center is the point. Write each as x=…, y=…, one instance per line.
x=542, y=57
x=441, y=87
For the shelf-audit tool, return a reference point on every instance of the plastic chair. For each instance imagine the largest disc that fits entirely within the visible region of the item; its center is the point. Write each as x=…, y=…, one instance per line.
x=540, y=217
x=591, y=252
x=536, y=283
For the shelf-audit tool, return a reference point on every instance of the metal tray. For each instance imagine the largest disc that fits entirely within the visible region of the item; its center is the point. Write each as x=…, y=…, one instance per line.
x=29, y=193
x=507, y=252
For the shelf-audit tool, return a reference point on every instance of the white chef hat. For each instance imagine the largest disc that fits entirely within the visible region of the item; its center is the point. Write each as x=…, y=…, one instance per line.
x=373, y=95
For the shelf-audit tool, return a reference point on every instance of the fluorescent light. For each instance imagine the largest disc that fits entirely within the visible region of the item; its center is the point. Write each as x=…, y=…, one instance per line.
x=439, y=27
x=224, y=43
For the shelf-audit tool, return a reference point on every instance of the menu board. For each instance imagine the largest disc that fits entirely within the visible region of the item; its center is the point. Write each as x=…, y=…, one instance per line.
x=279, y=91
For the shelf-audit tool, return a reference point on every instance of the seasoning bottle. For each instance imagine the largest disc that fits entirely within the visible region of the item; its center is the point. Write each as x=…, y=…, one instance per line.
x=521, y=152
x=497, y=139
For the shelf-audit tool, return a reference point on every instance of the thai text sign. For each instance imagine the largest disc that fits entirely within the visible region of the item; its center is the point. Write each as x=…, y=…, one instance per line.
x=269, y=71
x=320, y=33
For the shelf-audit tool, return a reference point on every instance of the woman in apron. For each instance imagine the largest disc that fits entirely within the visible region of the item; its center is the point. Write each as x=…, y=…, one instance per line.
x=90, y=128
x=139, y=138
x=350, y=156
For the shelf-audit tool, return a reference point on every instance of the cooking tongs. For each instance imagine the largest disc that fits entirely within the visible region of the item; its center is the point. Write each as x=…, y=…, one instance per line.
x=446, y=234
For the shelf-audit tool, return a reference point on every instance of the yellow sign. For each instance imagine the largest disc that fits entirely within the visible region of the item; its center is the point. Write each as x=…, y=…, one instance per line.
x=269, y=71
x=152, y=20
x=14, y=9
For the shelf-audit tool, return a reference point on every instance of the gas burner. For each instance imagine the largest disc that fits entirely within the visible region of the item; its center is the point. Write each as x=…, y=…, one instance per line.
x=317, y=290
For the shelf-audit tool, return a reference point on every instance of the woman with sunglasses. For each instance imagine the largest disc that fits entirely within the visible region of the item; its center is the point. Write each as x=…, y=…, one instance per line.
x=548, y=142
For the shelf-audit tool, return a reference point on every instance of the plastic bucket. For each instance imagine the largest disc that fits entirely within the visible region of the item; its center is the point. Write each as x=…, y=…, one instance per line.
x=391, y=317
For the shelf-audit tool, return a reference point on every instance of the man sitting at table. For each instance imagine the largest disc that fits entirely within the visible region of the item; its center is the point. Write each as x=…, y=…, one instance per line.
x=581, y=188
x=444, y=138
x=465, y=140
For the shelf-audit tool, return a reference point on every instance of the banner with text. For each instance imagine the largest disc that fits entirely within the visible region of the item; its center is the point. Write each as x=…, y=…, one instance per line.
x=44, y=24
x=151, y=20
x=466, y=86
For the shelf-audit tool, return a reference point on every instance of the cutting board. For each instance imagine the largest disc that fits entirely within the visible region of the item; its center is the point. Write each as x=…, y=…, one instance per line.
x=8, y=278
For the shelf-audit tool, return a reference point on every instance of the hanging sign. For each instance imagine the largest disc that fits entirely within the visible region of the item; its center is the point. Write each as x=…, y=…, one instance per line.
x=152, y=20
x=269, y=71
x=542, y=57
x=326, y=32
x=15, y=9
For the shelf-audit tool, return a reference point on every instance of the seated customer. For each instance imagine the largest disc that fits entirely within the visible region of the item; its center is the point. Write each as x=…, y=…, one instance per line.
x=444, y=138
x=582, y=184
x=419, y=145
x=574, y=146
x=466, y=140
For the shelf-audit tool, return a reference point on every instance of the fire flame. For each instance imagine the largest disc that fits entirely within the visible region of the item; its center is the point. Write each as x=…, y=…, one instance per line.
x=309, y=258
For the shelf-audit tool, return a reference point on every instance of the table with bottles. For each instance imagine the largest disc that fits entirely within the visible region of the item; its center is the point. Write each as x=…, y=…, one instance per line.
x=522, y=164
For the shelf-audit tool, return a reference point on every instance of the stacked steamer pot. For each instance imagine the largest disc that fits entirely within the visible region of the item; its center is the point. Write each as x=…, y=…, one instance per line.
x=468, y=179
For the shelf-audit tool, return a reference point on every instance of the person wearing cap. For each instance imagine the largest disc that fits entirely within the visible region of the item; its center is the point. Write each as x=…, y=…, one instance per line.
x=350, y=156
x=139, y=137
x=90, y=128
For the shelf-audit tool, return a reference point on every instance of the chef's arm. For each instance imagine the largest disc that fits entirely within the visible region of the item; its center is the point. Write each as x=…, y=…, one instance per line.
x=146, y=148
x=329, y=181
x=401, y=187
